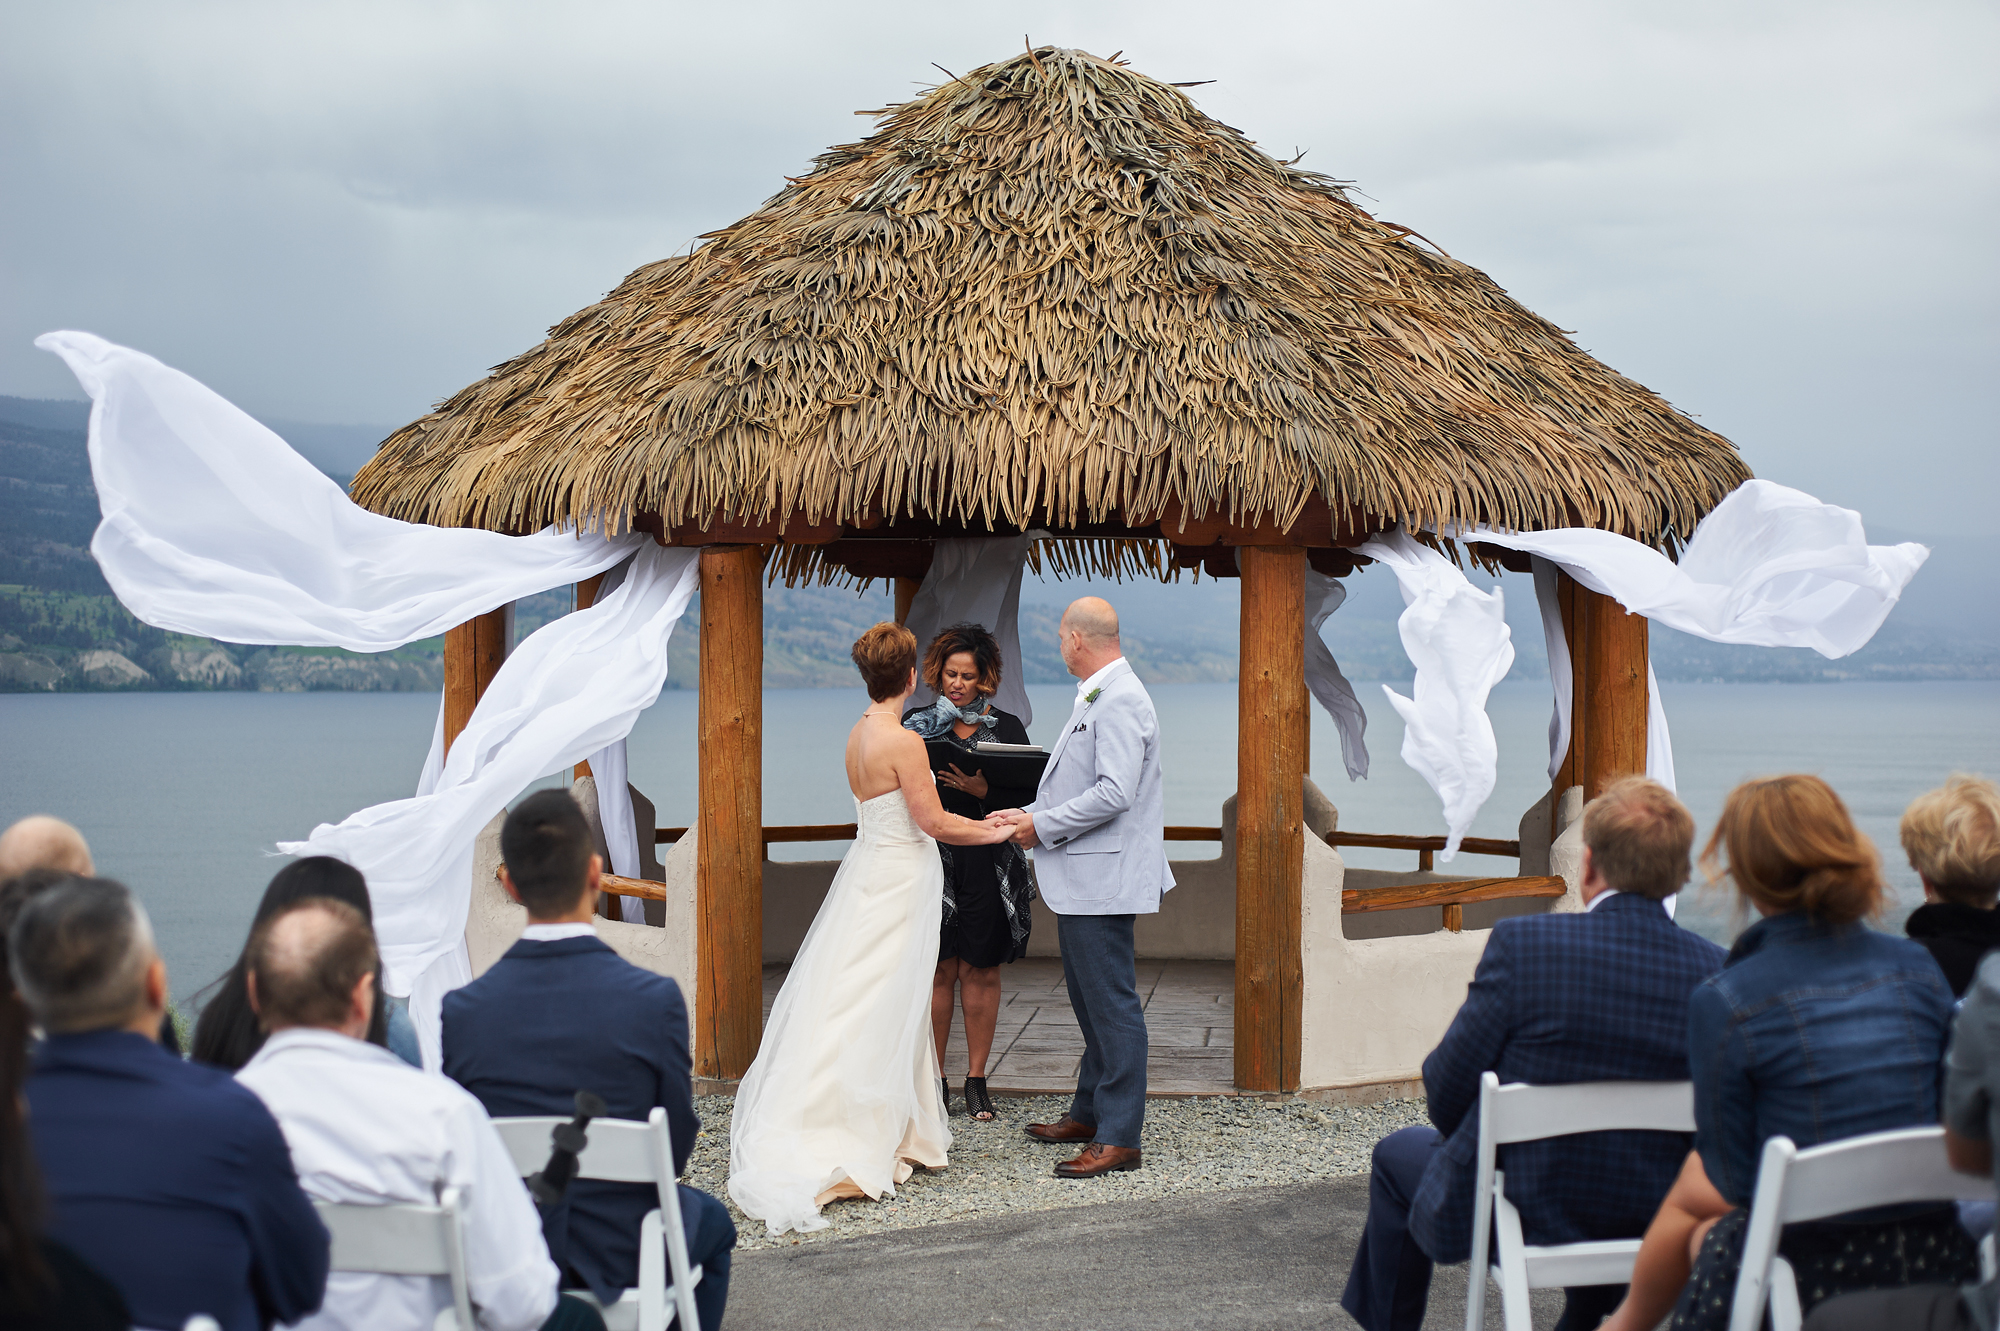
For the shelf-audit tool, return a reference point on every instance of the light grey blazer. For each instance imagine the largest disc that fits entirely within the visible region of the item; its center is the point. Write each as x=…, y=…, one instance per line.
x=1099, y=813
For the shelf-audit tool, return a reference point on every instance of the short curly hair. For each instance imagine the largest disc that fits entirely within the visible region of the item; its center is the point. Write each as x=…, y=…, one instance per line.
x=973, y=638
x=885, y=655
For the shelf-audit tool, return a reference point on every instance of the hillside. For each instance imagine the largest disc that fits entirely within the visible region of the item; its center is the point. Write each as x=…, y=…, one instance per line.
x=61, y=629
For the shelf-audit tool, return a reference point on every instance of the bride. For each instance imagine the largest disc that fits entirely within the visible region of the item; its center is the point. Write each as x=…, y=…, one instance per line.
x=842, y=1099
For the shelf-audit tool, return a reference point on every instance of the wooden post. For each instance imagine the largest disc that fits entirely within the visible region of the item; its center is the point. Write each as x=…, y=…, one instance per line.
x=906, y=592
x=729, y=848
x=586, y=597
x=473, y=653
x=1270, y=818
x=1608, y=652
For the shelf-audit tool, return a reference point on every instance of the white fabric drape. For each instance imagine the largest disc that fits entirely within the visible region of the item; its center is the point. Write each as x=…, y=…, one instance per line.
x=1457, y=637
x=1324, y=595
x=621, y=831
x=976, y=580
x=214, y=526
x=1769, y=566
x=567, y=692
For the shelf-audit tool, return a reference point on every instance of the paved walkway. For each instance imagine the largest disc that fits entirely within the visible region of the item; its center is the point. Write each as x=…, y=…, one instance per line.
x=1190, y=1025
x=1250, y=1259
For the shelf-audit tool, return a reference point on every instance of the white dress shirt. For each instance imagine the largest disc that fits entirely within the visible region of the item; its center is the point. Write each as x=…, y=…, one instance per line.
x=366, y=1127
x=1084, y=686
x=1600, y=899
x=549, y=933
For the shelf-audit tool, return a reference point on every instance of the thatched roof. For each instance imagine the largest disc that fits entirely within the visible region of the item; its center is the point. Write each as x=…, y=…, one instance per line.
x=1052, y=291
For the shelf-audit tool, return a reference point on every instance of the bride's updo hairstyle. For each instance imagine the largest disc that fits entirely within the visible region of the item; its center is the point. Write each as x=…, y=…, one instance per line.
x=973, y=638
x=1788, y=844
x=885, y=655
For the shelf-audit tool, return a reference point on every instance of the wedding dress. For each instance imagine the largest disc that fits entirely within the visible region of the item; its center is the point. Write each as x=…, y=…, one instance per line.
x=843, y=1096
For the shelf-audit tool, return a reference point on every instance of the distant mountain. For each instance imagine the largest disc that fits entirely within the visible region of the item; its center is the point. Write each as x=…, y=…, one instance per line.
x=60, y=628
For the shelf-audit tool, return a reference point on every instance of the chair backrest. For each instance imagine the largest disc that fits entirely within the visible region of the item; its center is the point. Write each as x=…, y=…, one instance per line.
x=1517, y=1113
x=402, y=1239
x=1879, y=1169
x=622, y=1151
x=619, y=1151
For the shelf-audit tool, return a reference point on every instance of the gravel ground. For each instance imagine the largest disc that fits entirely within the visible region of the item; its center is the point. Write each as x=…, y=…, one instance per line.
x=1191, y=1146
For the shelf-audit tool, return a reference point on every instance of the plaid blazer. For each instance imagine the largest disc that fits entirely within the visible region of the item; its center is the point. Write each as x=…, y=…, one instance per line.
x=1595, y=996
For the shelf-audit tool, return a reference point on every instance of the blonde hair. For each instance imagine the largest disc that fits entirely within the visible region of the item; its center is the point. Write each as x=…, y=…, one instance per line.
x=1639, y=837
x=1952, y=836
x=1791, y=846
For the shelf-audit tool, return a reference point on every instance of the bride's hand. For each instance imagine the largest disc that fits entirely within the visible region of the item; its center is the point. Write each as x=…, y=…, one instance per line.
x=995, y=833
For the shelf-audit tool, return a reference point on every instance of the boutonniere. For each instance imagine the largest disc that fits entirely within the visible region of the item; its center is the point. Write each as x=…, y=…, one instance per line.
x=1091, y=696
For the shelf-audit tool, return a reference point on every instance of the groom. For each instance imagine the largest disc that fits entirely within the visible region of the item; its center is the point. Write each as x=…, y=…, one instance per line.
x=1096, y=825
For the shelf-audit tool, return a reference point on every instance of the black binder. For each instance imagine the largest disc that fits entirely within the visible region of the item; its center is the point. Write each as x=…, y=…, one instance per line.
x=1018, y=765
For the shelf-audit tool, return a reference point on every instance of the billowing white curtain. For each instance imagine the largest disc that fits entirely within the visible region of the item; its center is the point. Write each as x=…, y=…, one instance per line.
x=568, y=692
x=976, y=580
x=1324, y=595
x=213, y=526
x=1457, y=637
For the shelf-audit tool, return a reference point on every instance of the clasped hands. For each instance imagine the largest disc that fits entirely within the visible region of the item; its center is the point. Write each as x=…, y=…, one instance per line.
x=1020, y=821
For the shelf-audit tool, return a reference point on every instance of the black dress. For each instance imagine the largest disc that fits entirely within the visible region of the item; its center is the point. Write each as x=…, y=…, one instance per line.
x=986, y=888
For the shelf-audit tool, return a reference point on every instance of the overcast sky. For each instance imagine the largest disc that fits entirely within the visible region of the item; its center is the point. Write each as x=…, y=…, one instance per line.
x=1781, y=216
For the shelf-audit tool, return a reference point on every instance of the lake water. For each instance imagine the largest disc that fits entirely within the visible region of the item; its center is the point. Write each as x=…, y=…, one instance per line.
x=183, y=794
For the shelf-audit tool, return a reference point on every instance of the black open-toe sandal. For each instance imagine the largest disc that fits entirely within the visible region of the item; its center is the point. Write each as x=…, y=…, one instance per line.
x=944, y=1094
x=978, y=1104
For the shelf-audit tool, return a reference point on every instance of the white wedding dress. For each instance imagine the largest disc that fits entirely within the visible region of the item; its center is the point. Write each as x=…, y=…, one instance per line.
x=843, y=1096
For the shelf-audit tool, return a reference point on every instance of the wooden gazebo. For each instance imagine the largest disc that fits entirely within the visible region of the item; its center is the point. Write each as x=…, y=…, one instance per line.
x=1052, y=294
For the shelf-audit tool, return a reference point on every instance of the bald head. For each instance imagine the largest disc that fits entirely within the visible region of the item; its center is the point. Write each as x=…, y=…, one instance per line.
x=1092, y=619
x=1088, y=637
x=41, y=842
x=308, y=964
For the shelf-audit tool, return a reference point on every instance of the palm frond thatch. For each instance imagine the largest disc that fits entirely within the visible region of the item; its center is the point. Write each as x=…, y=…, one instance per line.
x=1053, y=291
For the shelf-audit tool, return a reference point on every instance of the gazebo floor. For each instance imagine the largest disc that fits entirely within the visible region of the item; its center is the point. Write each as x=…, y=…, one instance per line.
x=1190, y=1025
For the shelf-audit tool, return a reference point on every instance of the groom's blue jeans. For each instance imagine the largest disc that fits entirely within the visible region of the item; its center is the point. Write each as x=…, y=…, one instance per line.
x=1099, y=971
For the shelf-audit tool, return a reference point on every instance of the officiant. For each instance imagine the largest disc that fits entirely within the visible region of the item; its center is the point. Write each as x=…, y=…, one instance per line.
x=987, y=890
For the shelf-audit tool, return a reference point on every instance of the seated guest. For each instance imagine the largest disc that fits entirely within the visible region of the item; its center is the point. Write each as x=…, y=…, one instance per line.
x=43, y=1285
x=366, y=1127
x=41, y=842
x=561, y=1012
x=1971, y=1121
x=166, y=1176
x=1596, y=996
x=1818, y=1028
x=227, y=1034
x=1952, y=836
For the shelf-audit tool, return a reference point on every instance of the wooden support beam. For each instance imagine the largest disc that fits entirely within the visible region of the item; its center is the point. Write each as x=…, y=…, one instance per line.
x=473, y=653
x=729, y=850
x=586, y=597
x=1458, y=892
x=1610, y=703
x=906, y=592
x=1270, y=819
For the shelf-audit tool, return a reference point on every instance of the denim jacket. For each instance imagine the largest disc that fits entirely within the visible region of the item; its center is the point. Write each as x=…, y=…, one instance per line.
x=1816, y=1032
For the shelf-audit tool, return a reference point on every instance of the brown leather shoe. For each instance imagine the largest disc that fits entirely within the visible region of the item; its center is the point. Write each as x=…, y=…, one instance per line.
x=1064, y=1129
x=1097, y=1158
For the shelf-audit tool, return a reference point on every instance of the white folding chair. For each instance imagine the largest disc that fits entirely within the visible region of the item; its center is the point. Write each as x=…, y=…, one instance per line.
x=622, y=1151
x=1516, y=1113
x=1880, y=1169
x=401, y=1239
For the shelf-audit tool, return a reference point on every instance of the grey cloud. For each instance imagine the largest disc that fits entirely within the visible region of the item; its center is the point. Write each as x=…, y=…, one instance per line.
x=1776, y=214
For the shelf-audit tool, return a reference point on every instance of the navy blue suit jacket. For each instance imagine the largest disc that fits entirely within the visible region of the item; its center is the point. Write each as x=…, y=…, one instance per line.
x=551, y=1019
x=1601, y=996
x=174, y=1181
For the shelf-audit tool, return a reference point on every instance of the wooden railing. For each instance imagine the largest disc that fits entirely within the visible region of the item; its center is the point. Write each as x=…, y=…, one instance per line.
x=1425, y=846
x=1453, y=896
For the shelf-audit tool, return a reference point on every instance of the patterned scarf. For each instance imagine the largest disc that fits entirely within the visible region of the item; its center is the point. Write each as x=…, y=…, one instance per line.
x=938, y=718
